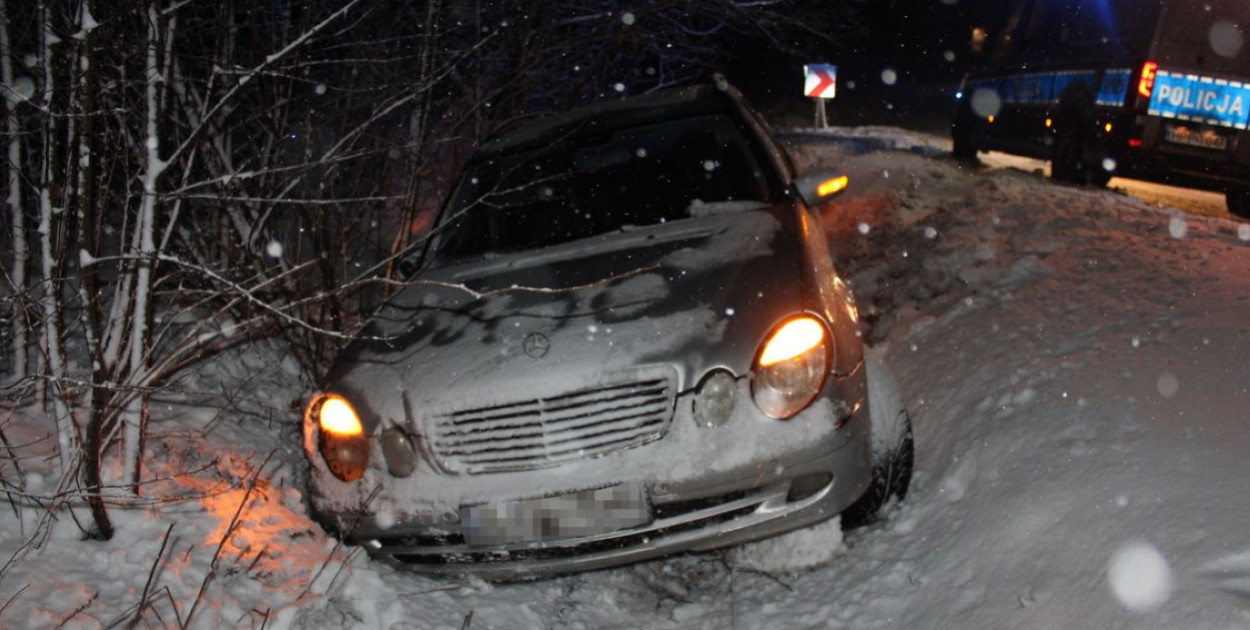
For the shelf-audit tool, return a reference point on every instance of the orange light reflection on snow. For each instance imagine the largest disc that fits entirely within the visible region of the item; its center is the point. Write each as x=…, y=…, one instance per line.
x=272, y=543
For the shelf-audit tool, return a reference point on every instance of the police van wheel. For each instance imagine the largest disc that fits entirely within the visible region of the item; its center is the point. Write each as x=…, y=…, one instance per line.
x=962, y=148
x=1065, y=161
x=1077, y=160
x=1238, y=200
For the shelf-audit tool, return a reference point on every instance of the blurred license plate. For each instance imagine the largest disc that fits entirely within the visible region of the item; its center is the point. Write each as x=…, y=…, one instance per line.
x=575, y=515
x=1180, y=134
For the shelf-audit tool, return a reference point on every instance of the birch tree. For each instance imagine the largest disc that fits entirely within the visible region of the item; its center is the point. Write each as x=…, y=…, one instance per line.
x=16, y=276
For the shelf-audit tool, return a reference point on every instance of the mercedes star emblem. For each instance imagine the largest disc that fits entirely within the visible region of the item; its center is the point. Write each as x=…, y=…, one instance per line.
x=536, y=345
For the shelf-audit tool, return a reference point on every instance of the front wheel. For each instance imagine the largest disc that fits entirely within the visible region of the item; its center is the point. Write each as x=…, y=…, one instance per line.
x=893, y=445
x=962, y=148
x=1238, y=200
x=891, y=478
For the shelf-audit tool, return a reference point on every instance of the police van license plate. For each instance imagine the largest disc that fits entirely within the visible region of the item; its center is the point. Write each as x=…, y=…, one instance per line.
x=1206, y=139
x=585, y=513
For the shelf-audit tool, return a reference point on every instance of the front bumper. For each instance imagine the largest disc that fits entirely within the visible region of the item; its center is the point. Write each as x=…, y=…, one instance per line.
x=736, y=513
x=706, y=488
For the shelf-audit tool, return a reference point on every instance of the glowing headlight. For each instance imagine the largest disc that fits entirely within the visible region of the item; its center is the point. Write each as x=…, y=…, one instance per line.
x=791, y=367
x=341, y=436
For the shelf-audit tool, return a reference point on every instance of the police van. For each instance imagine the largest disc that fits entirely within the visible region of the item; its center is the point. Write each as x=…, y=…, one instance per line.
x=1148, y=89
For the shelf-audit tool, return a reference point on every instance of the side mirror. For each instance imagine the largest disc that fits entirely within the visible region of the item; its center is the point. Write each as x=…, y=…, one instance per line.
x=819, y=186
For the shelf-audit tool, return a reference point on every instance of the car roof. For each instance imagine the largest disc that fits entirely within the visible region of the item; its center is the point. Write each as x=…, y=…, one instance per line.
x=612, y=114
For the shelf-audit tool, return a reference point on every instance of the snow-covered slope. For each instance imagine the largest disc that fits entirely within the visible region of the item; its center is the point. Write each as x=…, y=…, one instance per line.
x=1074, y=363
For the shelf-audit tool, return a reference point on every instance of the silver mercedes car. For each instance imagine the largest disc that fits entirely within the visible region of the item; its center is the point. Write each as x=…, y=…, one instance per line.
x=625, y=339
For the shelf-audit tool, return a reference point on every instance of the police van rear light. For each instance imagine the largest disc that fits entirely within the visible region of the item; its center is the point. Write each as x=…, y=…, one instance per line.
x=1146, y=84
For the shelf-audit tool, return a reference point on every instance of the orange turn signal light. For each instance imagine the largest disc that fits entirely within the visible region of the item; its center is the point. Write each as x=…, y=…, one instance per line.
x=832, y=186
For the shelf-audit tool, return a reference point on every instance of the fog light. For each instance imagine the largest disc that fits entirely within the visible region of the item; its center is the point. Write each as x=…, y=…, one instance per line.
x=808, y=485
x=715, y=402
x=401, y=457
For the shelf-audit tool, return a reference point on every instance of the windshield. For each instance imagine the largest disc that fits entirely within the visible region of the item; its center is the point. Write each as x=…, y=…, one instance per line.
x=594, y=184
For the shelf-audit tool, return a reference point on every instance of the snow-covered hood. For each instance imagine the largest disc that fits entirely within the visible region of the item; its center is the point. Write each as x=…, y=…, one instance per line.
x=693, y=295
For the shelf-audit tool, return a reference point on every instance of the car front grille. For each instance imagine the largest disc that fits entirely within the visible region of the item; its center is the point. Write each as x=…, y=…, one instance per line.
x=546, y=431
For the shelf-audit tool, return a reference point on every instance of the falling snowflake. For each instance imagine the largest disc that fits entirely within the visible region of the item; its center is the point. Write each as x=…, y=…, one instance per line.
x=1226, y=39
x=889, y=76
x=1177, y=227
x=627, y=18
x=1168, y=385
x=986, y=102
x=23, y=88
x=274, y=249
x=1140, y=577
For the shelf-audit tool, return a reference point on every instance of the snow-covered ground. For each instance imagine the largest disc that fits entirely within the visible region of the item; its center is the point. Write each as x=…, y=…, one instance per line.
x=1074, y=365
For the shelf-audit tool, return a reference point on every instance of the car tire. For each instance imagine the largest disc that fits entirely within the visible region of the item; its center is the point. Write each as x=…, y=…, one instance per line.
x=1076, y=158
x=1238, y=200
x=962, y=146
x=1065, y=161
x=891, y=478
x=893, y=445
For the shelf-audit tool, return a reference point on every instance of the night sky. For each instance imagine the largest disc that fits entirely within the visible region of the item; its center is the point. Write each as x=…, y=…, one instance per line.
x=923, y=46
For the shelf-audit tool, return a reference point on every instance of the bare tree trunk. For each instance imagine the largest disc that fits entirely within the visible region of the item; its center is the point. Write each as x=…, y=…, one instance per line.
x=136, y=408
x=50, y=217
x=87, y=188
x=21, y=256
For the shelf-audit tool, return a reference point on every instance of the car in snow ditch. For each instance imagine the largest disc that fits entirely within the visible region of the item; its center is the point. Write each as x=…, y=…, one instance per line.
x=625, y=339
